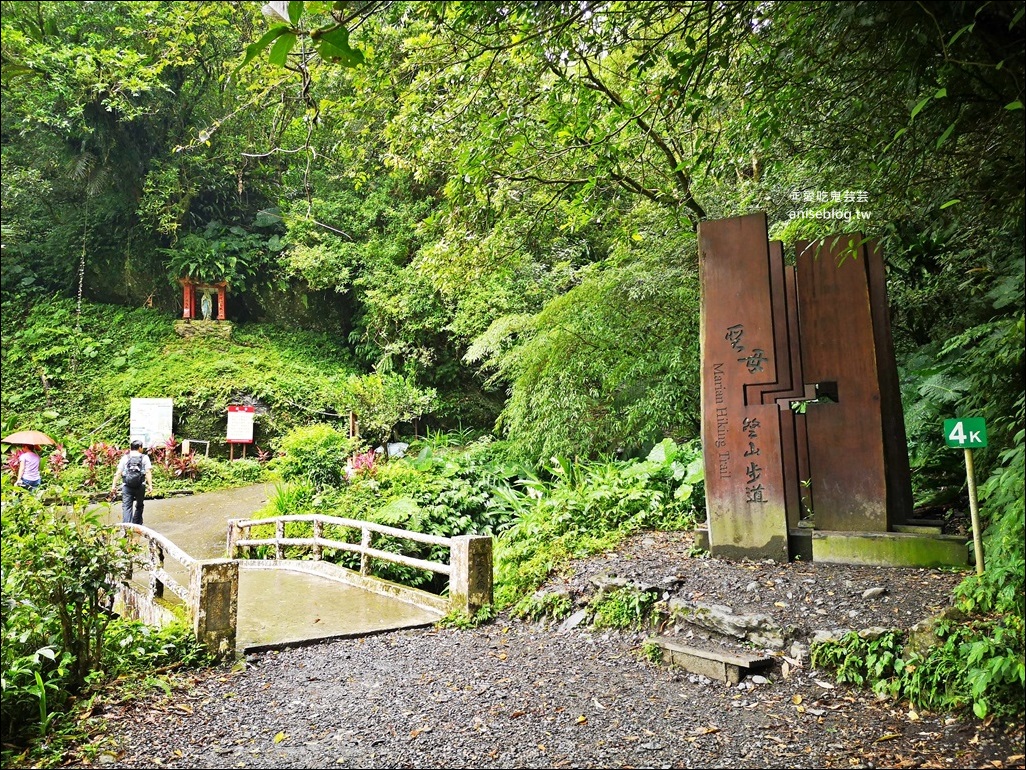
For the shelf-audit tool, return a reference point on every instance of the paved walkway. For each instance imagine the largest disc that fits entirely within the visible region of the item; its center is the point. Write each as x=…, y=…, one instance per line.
x=277, y=607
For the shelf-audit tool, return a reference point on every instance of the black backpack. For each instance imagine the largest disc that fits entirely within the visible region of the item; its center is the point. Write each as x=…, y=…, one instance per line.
x=134, y=475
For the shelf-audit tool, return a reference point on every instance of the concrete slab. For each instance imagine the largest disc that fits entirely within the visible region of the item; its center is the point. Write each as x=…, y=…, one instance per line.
x=918, y=529
x=280, y=608
x=890, y=549
x=723, y=666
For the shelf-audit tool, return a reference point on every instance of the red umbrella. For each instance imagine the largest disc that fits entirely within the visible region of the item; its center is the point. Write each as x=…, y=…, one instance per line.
x=28, y=438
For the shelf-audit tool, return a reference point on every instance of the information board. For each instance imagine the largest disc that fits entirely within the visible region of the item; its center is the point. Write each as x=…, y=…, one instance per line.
x=240, y=424
x=150, y=421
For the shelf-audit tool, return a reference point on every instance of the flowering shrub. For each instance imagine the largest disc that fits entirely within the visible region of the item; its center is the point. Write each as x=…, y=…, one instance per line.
x=361, y=464
x=182, y=466
x=165, y=455
x=100, y=455
x=58, y=460
x=12, y=462
x=97, y=456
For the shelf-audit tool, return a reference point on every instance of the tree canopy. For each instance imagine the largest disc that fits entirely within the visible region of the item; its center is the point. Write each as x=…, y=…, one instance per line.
x=498, y=200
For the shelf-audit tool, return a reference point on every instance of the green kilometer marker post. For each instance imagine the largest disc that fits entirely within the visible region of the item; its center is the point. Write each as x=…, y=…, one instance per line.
x=969, y=433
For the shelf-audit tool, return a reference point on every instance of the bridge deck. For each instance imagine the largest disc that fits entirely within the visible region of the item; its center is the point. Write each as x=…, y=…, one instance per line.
x=279, y=607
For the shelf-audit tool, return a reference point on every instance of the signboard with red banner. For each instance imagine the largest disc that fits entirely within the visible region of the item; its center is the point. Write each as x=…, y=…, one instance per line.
x=240, y=424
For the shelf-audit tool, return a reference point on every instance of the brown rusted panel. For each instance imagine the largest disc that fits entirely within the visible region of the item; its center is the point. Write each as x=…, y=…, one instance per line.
x=744, y=476
x=789, y=385
x=899, y=477
x=786, y=337
x=838, y=352
x=798, y=504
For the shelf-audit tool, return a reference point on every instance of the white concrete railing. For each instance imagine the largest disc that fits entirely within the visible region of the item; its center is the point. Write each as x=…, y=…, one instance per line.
x=157, y=548
x=470, y=556
x=209, y=596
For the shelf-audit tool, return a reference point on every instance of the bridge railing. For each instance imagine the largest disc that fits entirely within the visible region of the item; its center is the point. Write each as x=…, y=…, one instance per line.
x=208, y=590
x=470, y=556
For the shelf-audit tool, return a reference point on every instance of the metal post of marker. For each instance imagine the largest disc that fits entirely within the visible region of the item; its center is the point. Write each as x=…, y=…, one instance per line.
x=974, y=510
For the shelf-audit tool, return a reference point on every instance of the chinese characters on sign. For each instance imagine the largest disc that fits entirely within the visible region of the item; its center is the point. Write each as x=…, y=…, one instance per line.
x=753, y=489
x=240, y=424
x=821, y=205
x=834, y=196
x=733, y=336
x=754, y=361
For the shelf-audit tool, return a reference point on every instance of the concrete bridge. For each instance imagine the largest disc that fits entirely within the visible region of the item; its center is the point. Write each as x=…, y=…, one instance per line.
x=236, y=605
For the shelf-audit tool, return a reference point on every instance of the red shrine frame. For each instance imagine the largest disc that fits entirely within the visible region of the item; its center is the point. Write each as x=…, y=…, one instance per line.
x=189, y=287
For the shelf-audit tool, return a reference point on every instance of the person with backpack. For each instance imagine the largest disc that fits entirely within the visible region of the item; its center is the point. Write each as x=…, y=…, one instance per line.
x=135, y=471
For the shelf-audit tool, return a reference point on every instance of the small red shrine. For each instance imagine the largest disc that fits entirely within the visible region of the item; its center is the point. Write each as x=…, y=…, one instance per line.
x=193, y=293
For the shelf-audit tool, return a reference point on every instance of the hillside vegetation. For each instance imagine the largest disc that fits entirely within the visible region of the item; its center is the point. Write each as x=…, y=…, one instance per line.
x=74, y=374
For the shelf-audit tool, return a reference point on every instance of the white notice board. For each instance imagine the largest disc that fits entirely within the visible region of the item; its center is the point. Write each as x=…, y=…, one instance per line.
x=150, y=421
x=240, y=424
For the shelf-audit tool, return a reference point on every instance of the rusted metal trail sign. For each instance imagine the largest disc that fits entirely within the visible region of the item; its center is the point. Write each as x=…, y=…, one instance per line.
x=801, y=412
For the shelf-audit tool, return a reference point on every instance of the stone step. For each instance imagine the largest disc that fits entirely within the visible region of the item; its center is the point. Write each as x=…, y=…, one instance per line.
x=725, y=667
x=919, y=529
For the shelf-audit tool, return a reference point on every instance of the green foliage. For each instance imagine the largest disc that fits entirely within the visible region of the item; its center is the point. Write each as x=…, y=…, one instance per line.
x=109, y=97
x=863, y=660
x=132, y=647
x=74, y=377
x=546, y=605
x=979, y=663
x=611, y=364
x=329, y=38
x=61, y=570
x=458, y=619
x=652, y=652
x=315, y=455
x=1001, y=587
x=382, y=401
x=222, y=253
x=973, y=375
x=625, y=608
x=213, y=473
x=590, y=506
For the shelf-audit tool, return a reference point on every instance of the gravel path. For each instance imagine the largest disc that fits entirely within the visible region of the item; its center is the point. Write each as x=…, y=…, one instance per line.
x=522, y=695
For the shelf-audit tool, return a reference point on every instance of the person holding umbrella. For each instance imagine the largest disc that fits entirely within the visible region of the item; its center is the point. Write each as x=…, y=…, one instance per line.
x=29, y=476
x=28, y=468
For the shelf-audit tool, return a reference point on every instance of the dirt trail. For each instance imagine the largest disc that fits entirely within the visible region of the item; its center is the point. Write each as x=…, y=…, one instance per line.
x=198, y=524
